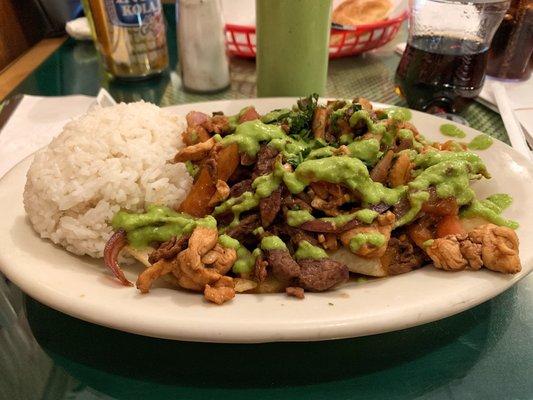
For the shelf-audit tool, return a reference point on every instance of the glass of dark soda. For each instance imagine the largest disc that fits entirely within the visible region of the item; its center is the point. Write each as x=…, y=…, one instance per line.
x=443, y=66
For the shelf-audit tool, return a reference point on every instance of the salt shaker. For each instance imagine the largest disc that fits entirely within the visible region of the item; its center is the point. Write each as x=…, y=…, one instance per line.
x=202, y=52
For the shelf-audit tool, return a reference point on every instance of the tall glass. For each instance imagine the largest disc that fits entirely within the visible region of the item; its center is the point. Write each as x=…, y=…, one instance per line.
x=443, y=66
x=292, y=46
x=512, y=46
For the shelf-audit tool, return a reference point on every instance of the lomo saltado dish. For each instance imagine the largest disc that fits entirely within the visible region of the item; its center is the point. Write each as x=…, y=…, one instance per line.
x=297, y=199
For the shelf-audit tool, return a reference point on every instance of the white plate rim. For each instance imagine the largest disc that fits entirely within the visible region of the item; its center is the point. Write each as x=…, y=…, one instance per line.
x=241, y=331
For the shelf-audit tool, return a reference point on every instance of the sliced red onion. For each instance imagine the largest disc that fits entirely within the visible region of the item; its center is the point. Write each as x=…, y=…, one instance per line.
x=111, y=251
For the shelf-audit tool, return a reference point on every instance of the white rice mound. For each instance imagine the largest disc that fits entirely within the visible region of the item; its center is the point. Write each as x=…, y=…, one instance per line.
x=110, y=158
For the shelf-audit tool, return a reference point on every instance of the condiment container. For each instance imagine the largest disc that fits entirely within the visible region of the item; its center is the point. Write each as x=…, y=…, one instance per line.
x=201, y=47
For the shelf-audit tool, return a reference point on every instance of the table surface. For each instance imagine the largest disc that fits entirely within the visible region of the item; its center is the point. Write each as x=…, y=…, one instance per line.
x=483, y=353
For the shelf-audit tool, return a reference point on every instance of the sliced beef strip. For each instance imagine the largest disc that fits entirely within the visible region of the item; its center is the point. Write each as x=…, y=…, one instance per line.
x=348, y=226
x=319, y=226
x=296, y=203
x=381, y=170
x=224, y=219
x=260, y=269
x=319, y=122
x=283, y=265
x=269, y=207
x=380, y=207
x=401, y=256
x=292, y=233
x=247, y=160
x=244, y=229
x=169, y=249
x=403, y=144
x=240, y=188
x=265, y=161
x=342, y=127
x=220, y=124
x=320, y=275
x=401, y=208
x=241, y=173
x=305, y=197
x=297, y=292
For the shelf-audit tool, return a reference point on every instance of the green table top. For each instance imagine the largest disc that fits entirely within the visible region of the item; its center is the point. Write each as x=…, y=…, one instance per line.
x=483, y=353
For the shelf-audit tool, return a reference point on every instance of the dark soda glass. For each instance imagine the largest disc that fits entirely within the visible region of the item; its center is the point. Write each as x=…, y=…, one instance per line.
x=441, y=73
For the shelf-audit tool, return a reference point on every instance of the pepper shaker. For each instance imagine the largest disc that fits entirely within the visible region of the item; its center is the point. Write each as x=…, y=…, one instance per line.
x=201, y=46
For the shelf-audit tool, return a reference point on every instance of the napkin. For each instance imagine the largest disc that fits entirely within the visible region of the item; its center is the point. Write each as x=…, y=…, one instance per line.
x=79, y=29
x=35, y=122
x=521, y=96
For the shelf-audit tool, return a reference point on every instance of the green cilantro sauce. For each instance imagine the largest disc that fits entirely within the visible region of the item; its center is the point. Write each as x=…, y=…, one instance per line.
x=366, y=150
x=298, y=217
x=490, y=209
x=158, y=224
x=434, y=157
x=480, y=142
x=233, y=120
x=337, y=169
x=452, y=130
x=245, y=260
x=399, y=113
x=248, y=136
x=228, y=242
x=364, y=215
x=416, y=200
x=501, y=200
x=346, y=138
x=258, y=231
x=288, y=146
x=405, y=134
x=351, y=172
x=307, y=250
x=373, y=127
x=449, y=172
x=428, y=243
x=450, y=178
x=272, y=243
x=191, y=168
x=275, y=115
x=323, y=152
x=375, y=239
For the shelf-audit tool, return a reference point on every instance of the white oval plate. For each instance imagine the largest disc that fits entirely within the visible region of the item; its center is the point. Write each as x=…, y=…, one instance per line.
x=81, y=287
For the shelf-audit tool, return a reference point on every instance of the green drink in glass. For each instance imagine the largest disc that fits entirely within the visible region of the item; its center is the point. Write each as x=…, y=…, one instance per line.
x=292, y=46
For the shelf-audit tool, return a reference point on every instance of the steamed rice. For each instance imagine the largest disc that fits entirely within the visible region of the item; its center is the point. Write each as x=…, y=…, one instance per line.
x=111, y=158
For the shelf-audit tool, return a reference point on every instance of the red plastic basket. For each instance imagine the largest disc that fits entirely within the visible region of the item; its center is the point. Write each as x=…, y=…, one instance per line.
x=240, y=40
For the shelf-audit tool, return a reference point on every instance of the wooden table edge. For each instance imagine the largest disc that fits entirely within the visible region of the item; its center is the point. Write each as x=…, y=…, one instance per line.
x=14, y=73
